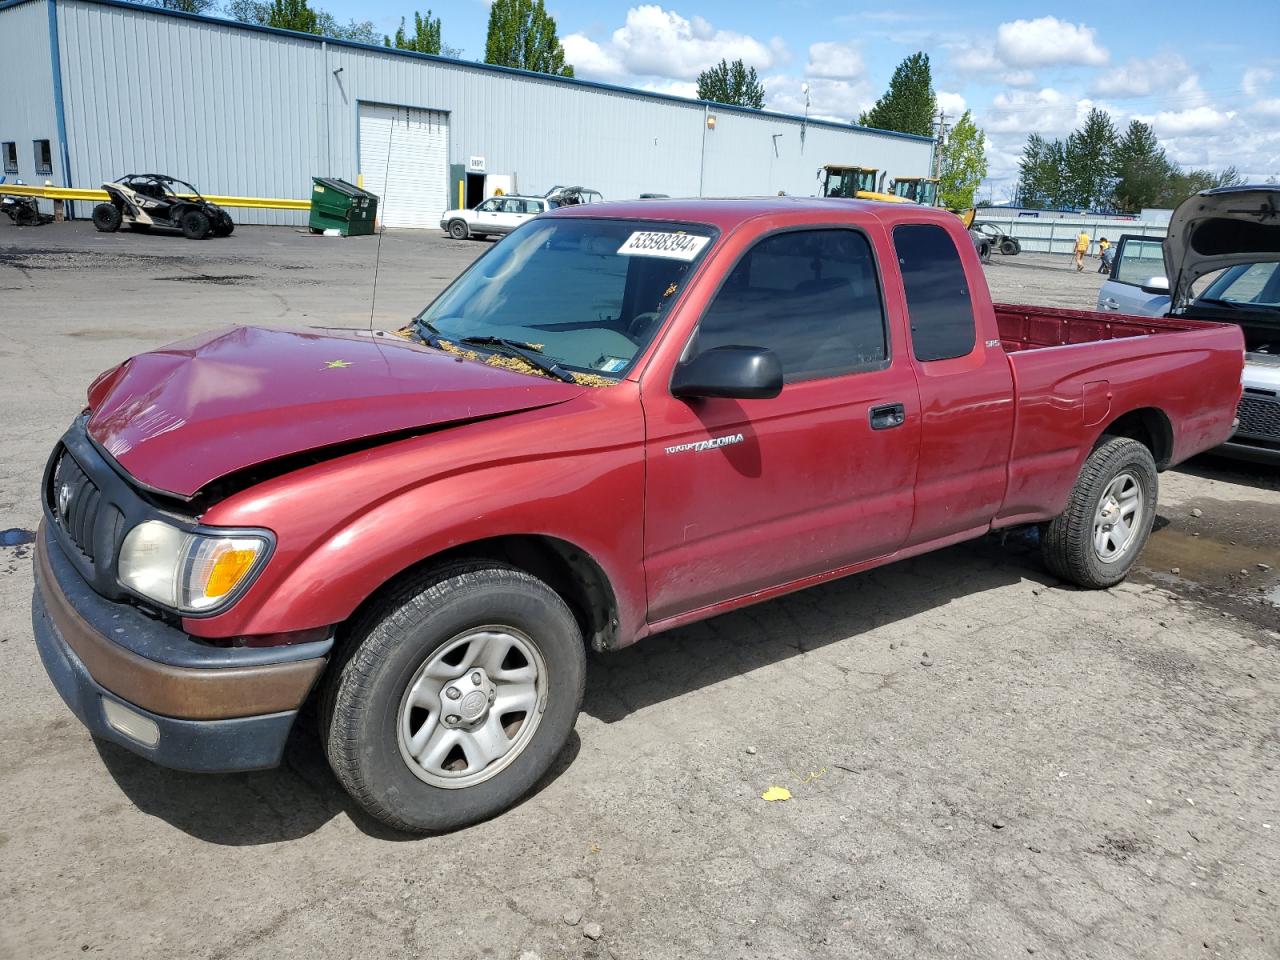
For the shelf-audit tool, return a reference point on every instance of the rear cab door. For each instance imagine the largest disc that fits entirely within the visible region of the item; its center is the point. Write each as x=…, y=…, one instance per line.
x=964, y=379
x=745, y=496
x=1137, y=284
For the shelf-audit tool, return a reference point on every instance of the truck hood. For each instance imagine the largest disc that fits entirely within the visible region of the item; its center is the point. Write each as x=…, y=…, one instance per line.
x=184, y=415
x=1221, y=228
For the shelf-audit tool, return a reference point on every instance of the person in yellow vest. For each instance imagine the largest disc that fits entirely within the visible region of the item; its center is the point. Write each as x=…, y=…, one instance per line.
x=1082, y=247
x=1103, y=246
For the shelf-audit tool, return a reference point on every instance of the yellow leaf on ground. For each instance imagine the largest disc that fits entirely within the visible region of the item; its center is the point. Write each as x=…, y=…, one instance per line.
x=776, y=793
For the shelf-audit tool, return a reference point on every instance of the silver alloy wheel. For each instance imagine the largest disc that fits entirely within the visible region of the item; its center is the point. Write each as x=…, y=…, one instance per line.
x=472, y=707
x=1118, y=519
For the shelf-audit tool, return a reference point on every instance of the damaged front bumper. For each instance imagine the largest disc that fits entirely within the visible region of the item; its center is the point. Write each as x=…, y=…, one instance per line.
x=151, y=688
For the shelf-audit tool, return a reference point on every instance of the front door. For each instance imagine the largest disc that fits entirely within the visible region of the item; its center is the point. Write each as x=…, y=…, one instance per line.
x=746, y=495
x=1134, y=286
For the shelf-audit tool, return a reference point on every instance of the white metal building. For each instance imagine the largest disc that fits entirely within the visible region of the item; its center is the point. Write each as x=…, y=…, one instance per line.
x=93, y=89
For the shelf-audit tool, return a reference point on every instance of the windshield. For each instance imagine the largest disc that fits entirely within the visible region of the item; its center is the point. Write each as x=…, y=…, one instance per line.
x=847, y=183
x=1254, y=285
x=584, y=294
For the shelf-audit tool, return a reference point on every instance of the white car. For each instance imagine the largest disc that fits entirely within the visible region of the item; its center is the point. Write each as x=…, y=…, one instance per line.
x=494, y=217
x=1233, y=232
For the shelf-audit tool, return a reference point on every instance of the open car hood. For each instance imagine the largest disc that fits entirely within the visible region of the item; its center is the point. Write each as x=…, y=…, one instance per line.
x=182, y=416
x=1221, y=228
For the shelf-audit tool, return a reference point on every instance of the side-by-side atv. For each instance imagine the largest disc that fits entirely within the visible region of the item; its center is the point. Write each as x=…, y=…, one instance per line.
x=146, y=200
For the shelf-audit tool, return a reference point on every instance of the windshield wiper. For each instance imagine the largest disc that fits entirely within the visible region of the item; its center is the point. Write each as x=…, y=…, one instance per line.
x=488, y=341
x=431, y=337
x=527, y=352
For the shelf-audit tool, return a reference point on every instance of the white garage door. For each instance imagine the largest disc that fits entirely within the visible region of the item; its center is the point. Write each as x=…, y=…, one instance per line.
x=404, y=157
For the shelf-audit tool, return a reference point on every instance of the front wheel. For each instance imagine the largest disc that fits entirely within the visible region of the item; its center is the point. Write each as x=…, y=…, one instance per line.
x=458, y=230
x=455, y=697
x=106, y=217
x=195, y=225
x=1108, y=519
x=1010, y=247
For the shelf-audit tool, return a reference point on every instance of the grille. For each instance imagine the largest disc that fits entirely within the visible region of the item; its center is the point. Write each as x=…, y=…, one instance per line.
x=1260, y=417
x=75, y=501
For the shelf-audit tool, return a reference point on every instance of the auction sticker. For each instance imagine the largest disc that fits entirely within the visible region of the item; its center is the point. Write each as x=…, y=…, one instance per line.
x=672, y=246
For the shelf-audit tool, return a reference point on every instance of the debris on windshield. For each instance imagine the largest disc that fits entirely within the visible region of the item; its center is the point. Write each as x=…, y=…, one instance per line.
x=507, y=362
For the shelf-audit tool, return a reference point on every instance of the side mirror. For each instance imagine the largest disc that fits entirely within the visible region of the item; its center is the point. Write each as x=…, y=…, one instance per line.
x=740, y=373
x=1156, y=285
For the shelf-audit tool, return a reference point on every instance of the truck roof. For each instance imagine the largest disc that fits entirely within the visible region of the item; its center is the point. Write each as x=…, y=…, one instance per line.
x=729, y=212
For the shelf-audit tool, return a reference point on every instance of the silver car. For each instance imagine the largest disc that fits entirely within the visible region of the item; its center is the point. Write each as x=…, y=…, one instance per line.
x=1233, y=234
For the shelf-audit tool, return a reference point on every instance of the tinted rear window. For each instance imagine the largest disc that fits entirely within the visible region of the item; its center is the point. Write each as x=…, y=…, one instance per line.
x=938, y=299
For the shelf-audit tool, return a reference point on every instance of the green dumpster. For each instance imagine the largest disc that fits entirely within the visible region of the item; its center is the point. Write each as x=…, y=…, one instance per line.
x=342, y=206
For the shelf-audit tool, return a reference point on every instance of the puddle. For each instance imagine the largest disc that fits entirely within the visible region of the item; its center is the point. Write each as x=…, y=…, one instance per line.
x=16, y=536
x=1227, y=558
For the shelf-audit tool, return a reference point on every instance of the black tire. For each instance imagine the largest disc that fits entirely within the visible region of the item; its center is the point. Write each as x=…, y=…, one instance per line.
x=1067, y=541
x=458, y=229
x=25, y=216
x=106, y=218
x=195, y=225
x=365, y=687
x=1009, y=247
x=223, y=225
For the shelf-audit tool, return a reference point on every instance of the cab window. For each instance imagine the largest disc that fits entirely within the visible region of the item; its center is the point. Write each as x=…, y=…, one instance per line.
x=938, y=299
x=1138, y=261
x=810, y=296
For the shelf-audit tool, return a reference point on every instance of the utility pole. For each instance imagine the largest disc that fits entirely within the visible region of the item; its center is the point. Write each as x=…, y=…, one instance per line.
x=941, y=129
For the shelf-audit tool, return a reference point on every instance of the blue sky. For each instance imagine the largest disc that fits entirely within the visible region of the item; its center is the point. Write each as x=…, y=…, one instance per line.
x=1210, y=87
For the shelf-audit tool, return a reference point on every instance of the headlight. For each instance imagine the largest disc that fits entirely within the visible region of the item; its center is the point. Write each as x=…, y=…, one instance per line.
x=190, y=572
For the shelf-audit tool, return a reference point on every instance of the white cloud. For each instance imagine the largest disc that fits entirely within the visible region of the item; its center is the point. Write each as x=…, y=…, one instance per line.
x=656, y=42
x=1256, y=80
x=1143, y=77
x=951, y=103
x=836, y=61
x=1048, y=41
x=975, y=58
x=1267, y=107
x=1047, y=112
x=1018, y=78
x=1194, y=121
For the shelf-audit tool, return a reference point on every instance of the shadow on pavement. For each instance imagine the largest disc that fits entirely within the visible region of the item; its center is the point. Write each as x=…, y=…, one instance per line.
x=1247, y=473
x=269, y=806
x=670, y=665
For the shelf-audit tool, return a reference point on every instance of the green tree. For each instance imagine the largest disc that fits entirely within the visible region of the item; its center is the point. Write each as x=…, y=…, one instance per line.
x=361, y=31
x=522, y=34
x=293, y=15
x=186, y=6
x=425, y=38
x=964, y=163
x=1089, y=162
x=1141, y=168
x=1042, y=173
x=908, y=106
x=732, y=83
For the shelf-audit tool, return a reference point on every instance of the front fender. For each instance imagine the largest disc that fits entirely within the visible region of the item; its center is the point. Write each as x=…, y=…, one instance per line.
x=346, y=528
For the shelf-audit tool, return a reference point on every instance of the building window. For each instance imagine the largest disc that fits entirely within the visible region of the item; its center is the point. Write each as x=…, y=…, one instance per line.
x=10, y=150
x=44, y=157
x=938, y=302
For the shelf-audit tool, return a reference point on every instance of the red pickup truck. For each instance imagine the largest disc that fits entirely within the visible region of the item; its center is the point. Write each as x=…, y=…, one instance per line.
x=622, y=418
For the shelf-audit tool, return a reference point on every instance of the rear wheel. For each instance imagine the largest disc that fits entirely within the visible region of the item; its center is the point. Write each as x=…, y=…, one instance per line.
x=455, y=696
x=106, y=217
x=458, y=229
x=1108, y=519
x=195, y=225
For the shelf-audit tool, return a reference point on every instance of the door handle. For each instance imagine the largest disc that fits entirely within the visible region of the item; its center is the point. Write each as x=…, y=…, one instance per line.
x=887, y=416
x=1111, y=303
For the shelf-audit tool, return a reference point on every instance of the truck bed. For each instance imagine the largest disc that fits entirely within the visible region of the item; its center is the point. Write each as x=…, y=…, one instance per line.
x=1031, y=328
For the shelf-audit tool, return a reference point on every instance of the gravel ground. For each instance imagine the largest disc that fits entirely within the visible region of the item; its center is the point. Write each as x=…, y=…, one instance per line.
x=983, y=762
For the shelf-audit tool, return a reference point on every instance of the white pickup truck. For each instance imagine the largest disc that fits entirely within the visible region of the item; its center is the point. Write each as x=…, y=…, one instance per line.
x=1232, y=233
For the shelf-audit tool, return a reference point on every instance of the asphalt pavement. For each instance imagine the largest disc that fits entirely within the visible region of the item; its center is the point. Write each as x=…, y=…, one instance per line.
x=982, y=761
